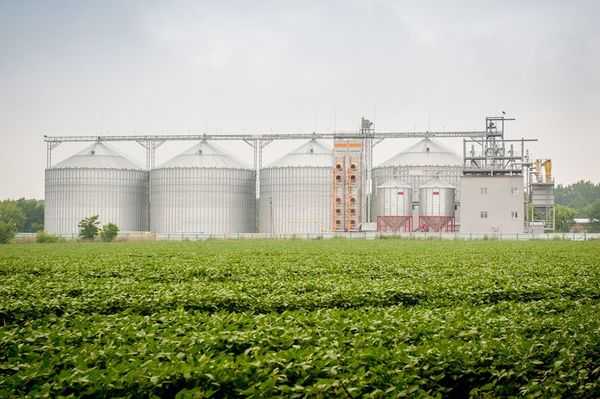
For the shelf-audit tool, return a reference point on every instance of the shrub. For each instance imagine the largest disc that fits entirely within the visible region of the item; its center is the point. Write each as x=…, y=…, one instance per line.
x=41, y=237
x=7, y=232
x=12, y=215
x=88, y=227
x=109, y=232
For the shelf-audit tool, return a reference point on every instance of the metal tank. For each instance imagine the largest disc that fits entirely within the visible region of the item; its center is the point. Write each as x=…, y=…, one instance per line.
x=96, y=181
x=203, y=190
x=395, y=206
x=295, y=192
x=395, y=199
x=416, y=166
x=436, y=198
x=436, y=206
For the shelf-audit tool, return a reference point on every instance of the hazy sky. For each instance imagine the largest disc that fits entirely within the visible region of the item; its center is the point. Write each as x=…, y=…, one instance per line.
x=91, y=67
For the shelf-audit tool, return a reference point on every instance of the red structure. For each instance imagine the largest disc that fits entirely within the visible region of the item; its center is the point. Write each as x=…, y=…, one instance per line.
x=394, y=223
x=437, y=223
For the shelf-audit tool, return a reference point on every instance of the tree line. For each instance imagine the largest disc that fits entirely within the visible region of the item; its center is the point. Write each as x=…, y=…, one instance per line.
x=577, y=200
x=22, y=215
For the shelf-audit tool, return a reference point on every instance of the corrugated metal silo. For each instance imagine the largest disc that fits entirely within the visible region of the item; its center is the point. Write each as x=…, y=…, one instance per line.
x=395, y=206
x=203, y=190
x=295, y=195
x=416, y=166
x=436, y=206
x=96, y=181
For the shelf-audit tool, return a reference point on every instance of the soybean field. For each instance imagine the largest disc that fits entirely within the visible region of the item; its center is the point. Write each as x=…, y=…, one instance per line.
x=322, y=318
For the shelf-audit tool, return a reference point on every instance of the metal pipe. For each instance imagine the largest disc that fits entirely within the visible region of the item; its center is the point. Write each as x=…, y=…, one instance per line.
x=284, y=136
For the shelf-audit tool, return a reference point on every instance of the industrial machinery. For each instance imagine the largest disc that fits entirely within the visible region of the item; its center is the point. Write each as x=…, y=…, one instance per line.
x=348, y=200
x=541, y=214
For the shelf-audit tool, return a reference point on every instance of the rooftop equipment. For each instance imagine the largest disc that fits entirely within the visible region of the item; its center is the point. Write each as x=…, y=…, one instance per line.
x=96, y=181
x=295, y=195
x=203, y=190
x=541, y=215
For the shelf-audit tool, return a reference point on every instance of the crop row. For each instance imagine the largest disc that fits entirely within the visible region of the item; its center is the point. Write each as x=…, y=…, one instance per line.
x=293, y=276
x=546, y=347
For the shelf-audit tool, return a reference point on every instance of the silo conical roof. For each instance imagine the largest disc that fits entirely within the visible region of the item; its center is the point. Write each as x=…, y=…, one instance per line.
x=205, y=155
x=394, y=184
x=98, y=156
x=427, y=152
x=311, y=154
x=436, y=182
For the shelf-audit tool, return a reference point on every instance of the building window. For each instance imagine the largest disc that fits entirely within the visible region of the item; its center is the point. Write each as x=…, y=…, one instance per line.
x=483, y=190
x=483, y=214
x=514, y=214
x=514, y=191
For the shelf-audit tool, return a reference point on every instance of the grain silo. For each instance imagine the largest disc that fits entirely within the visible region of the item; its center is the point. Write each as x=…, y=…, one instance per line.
x=395, y=208
x=416, y=166
x=296, y=189
x=96, y=181
x=203, y=190
x=436, y=206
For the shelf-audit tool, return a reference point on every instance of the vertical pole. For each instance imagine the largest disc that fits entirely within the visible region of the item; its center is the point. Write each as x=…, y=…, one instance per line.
x=367, y=217
x=271, y=223
x=258, y=148
x=48, y=155
x=257, y=155
x=148, y=147
x=152, y=152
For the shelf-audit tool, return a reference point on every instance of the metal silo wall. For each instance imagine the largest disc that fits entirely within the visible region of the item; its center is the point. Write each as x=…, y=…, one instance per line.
x=441, y=204
x=301, y=200
x=392, y=204
x=117, y=195
x=414, y=176
x=202, y=200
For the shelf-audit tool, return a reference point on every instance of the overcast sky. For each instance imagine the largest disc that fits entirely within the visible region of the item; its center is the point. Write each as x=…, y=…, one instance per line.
x=92, y=67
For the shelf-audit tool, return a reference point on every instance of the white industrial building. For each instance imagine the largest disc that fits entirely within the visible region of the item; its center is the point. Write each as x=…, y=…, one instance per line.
x=492, y=204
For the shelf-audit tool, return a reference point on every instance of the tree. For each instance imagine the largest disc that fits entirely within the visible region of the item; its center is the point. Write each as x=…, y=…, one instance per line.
x=578, y=196
x=12, y=215
x=7, y=232
x=109, y=232
x=564, y=218
x=34, y=214
x=88, y=227
x=594, y=215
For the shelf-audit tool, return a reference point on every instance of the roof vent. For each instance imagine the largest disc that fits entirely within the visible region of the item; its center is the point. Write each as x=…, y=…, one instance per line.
x=311, y=151
x=200, y=151
x=427, y=149
x=92, y=152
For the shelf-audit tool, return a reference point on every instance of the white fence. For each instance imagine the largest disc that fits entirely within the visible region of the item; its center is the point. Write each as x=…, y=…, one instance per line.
x=365, y=235
x=374, y=235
